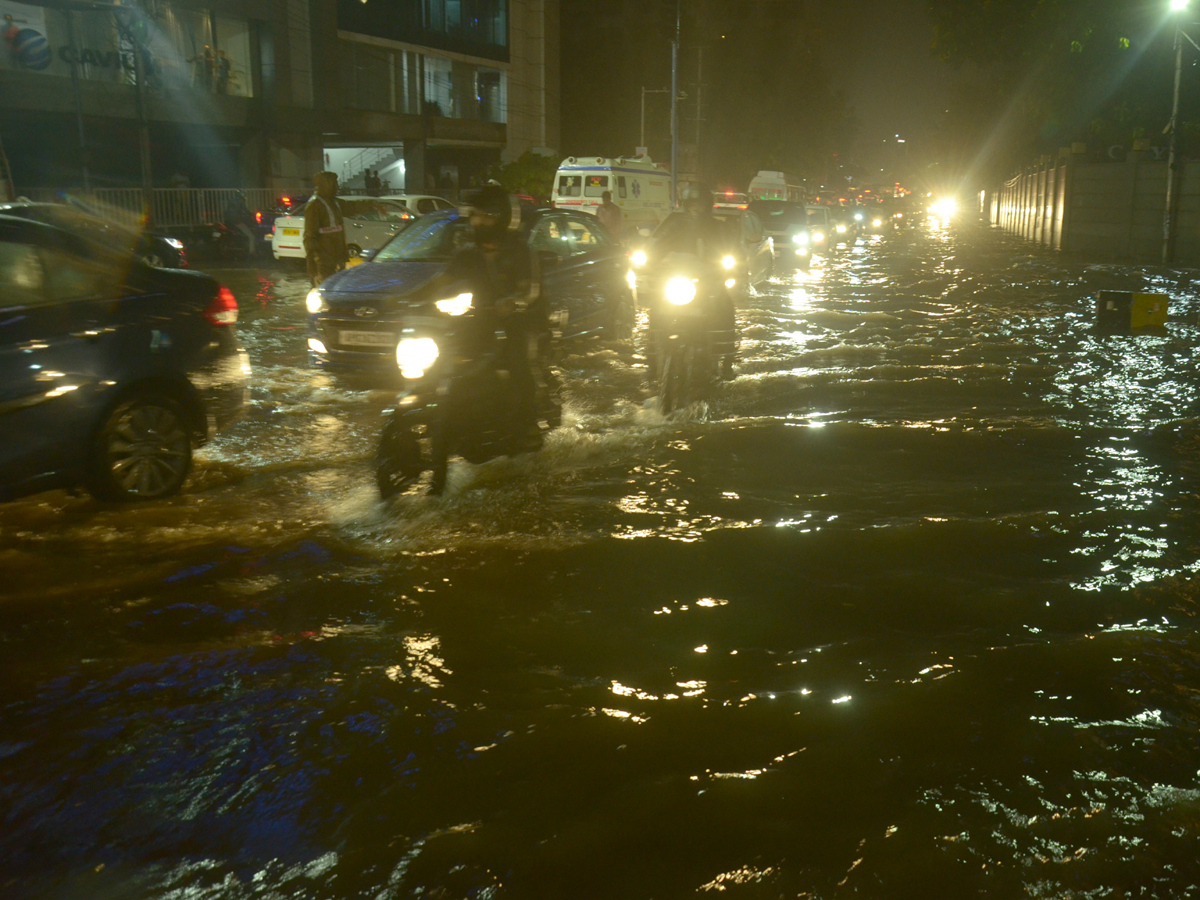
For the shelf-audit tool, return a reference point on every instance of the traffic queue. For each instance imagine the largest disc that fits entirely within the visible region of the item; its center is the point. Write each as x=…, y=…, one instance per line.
x=116, y=363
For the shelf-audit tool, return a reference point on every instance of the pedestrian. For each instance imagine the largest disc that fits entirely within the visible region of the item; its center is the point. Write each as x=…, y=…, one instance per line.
x=373, y=183
x=610, y=216
x=224, y=72
x=324, y=231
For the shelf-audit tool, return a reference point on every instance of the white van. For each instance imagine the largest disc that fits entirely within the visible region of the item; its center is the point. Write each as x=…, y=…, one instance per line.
x=768, y=185
x=640, y=187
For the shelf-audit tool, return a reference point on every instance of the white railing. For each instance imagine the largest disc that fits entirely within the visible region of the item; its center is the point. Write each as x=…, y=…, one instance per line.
x=168, y=206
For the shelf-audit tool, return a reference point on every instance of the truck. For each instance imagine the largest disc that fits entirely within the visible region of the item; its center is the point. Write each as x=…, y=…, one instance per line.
x=640, y=186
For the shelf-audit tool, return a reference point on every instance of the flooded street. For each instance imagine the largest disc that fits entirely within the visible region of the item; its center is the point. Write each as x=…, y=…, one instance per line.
x=903, y=611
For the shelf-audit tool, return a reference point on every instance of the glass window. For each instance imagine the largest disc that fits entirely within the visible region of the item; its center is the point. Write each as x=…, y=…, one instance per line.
x=621, y=186
x=70, y=277
x=548, y=236
x=438, y=95
x=490, y=93
x=22, y=278
x=569, y=185
x=582, y=237
x=232, y=73
x=429, y=240
x=595, y=186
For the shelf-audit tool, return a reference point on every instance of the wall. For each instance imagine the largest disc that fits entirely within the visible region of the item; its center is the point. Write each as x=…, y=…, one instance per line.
x=1110, y=209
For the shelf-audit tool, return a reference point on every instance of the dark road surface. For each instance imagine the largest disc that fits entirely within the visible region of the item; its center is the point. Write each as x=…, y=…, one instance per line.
x=903, y=611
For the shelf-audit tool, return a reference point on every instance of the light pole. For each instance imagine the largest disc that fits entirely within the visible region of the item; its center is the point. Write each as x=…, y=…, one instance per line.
x=1178, y=7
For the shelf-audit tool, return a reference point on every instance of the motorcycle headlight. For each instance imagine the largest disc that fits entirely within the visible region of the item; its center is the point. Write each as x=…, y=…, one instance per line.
x=799, y=238
x=818, y=236
x=728, y=262
x=875, y=223
x=680, y=291
x=415, y=355
x=455, y=306
x=841, y=229
x=858, y=217
x=314, y=302
x=638, y=258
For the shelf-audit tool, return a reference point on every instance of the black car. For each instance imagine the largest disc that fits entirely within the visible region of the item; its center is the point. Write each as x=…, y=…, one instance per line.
x=355, y=317
x=111, y=371
x=846, y=225
x=787, y=224
x=155, y=250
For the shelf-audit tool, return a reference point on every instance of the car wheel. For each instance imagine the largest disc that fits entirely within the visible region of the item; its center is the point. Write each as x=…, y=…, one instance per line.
x=142, y=452
x=154, y=261
x=353, y=251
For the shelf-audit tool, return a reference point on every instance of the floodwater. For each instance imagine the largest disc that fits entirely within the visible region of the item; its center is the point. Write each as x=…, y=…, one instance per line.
x=905, y=610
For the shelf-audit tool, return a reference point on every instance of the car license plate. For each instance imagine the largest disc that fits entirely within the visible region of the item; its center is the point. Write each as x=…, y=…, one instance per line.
x=291, y=231
x=367, y=338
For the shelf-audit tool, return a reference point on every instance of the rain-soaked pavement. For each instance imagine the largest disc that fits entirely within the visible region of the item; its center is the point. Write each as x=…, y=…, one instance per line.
x=904, y=611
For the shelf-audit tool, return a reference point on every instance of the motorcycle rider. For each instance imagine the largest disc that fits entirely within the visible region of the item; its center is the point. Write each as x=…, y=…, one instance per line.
x=694, y=230
x=506, y=288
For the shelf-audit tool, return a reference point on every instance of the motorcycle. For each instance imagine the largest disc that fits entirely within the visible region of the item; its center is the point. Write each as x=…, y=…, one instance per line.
x=459, y=400
x=693, y=351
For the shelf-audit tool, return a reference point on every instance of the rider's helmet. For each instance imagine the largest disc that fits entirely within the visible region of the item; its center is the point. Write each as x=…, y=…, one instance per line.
x=695, y=199
x=491, y=212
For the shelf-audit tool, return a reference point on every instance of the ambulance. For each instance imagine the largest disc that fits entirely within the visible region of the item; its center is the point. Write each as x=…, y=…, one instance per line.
x=768, y=185
x=640, y=187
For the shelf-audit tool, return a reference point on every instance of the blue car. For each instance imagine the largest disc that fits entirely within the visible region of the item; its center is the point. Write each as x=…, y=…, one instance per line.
x=111, y=371
x=355, y=317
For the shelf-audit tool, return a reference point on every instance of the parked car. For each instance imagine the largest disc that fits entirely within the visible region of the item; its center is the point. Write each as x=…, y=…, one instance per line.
x=363, y=232
x=756, y=260
x=111, y=371
x=421, y=203
x=155, y=250
x=786, y=222
x=355, y=316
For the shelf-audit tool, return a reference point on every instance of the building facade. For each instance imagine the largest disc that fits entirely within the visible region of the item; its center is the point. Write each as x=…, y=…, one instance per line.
x=221, y=93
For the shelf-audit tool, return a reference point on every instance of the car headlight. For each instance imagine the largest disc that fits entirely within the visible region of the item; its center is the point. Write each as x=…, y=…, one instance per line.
x=680, y=291
x=638, y=258
x=177, y=244
x=818, y=236
x=799, y=238
x=314, y=301
x=456, y=306
x=875, y=223
x=841, y=229
x=728, y=261
x=858, y=217
x=415, y=355
x=945, y=207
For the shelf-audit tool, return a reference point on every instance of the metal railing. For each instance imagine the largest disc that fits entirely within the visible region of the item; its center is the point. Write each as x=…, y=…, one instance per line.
x=168, y=206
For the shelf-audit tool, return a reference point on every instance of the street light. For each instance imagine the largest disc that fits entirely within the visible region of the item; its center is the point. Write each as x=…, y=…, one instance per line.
x=1177, y=6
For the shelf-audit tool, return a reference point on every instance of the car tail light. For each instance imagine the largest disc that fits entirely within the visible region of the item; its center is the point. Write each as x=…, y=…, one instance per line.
x=223, y=309
x=287, y=201
x=258, y=216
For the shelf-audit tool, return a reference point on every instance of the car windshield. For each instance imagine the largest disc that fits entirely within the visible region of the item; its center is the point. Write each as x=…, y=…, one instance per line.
x=429, y=239
x=779, y=212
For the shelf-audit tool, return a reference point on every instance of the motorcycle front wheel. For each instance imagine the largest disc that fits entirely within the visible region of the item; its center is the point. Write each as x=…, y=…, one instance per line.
x=406, y=450
x=674, y=380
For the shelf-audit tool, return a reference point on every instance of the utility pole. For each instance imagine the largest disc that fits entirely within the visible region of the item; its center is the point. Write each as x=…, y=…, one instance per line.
x=83, y=153
x=699, y=105
x=1169, y=211
x=675, y=110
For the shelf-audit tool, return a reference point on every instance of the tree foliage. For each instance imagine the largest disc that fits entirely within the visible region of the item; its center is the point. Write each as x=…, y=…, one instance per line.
x=530, y=173
x=1057, y=71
